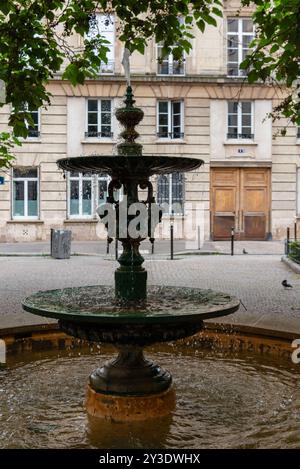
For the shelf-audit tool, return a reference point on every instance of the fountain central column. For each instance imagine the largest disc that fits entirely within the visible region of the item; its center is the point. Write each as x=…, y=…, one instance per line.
x=130, y=277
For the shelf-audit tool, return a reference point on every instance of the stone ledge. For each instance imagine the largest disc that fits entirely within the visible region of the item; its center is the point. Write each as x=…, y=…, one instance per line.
x=80, y=221
x=25, y=222
x=291, y=264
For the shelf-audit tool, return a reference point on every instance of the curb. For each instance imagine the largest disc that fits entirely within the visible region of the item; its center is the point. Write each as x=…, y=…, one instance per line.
x=292, y=265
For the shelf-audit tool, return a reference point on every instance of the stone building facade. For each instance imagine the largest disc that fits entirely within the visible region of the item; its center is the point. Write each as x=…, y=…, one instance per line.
x=200, y=107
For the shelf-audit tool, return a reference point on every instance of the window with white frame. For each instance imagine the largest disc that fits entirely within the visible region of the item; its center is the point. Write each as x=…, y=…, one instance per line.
x=86, y=192
x=240, y=33
x=25, y=193
x=34, y=126
x=167, y=65
x=81, y=195
x=170, y=193
x=240, y=120
x=104, y=25
x=170, y=119
x=99, y=118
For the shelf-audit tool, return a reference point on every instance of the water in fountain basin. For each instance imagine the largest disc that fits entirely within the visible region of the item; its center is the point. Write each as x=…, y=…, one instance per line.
x=222, y=402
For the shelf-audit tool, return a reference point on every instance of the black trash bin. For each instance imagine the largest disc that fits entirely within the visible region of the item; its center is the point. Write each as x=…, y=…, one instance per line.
x=60, y=244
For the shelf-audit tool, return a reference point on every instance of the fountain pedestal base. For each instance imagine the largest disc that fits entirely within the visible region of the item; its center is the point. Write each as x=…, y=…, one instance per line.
x=130, y=408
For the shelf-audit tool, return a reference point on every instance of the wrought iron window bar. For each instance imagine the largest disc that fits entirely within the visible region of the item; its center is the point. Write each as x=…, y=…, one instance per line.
x=33, y=133
x=99, y=134
x=240, y=136
x=172, y=135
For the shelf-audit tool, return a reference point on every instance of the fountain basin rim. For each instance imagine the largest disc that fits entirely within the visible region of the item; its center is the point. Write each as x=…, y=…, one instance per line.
x=224, y=305
x=137, y=166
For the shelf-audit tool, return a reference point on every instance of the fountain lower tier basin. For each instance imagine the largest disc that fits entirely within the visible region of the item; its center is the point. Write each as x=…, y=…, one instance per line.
x=227, y=399
x=132, y=167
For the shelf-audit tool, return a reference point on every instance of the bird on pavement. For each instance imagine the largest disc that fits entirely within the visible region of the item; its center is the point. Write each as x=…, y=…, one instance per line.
x=244, y=251
x=285, y=284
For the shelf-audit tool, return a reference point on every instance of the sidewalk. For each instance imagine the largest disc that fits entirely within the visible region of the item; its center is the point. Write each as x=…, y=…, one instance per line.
x=161, y=248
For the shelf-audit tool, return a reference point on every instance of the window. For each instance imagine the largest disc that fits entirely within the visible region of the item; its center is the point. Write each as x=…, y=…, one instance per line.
x=86, y=192
x=99, y=118
x=298, y=131
x=25, y=193
x=170, y=119
x=240, y=33
x=103, y=182
x=167, y=65
x=240, y=119
x=104, y=25
x=81, y=195
x=34, y=128
x=170, y=193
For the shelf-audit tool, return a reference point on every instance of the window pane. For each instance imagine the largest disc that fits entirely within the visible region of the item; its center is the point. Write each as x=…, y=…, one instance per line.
x=233, y=55
x=92, y=105
x=18, y=204
x=163, y=131
x=232, y=25
x=24, y=172
x=177, y=193
x=163, y=119
x=105, y=105
x=232, y=107
x=86, y=197
x=92, y=118
x=178, y=67
x=233, y=70
x=105, y=131
x=74, y=174
x=176, y=108
x=163, y=107
x=32, y=199
x=176, y=121
x=163, y=189
x=232, y=120
x=247, y=26
x=163, y=68
x=74, y=197
x=246, y=120
x=246, y=107
x=232, y=41
x=106, y=118
x=246, y=41
x=102, y=192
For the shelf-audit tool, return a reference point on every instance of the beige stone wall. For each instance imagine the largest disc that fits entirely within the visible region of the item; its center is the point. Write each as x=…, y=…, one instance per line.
x=204, y=89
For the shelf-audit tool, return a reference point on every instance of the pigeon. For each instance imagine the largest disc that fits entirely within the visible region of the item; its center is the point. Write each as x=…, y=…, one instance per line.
x=244, y=251
x=285, y=284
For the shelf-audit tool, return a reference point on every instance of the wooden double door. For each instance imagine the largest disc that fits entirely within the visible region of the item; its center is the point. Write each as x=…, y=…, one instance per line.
x=240, y=198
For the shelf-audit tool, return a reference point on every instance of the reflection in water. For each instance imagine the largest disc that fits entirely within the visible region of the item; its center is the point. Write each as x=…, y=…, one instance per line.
x=104, y=434
x=222, y=402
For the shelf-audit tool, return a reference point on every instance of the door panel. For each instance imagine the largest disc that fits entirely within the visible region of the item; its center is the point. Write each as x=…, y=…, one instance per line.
x=240, y=197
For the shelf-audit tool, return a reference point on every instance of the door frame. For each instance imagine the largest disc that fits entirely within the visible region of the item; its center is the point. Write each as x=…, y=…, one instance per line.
x=239, y=235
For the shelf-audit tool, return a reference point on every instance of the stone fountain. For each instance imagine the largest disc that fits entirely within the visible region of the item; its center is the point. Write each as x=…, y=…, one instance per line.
x=130, y=316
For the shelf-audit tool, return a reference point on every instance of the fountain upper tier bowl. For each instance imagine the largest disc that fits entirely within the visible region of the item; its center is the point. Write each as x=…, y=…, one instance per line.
x=135, y=167
x=93, y=312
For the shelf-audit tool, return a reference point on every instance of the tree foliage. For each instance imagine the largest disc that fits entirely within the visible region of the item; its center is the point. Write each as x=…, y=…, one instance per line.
x=276, y=52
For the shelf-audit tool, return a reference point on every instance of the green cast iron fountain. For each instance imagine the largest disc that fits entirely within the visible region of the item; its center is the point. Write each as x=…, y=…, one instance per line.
x=130, y=316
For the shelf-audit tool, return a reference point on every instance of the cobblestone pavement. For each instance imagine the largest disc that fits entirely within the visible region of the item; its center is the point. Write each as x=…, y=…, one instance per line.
x=256, y=280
